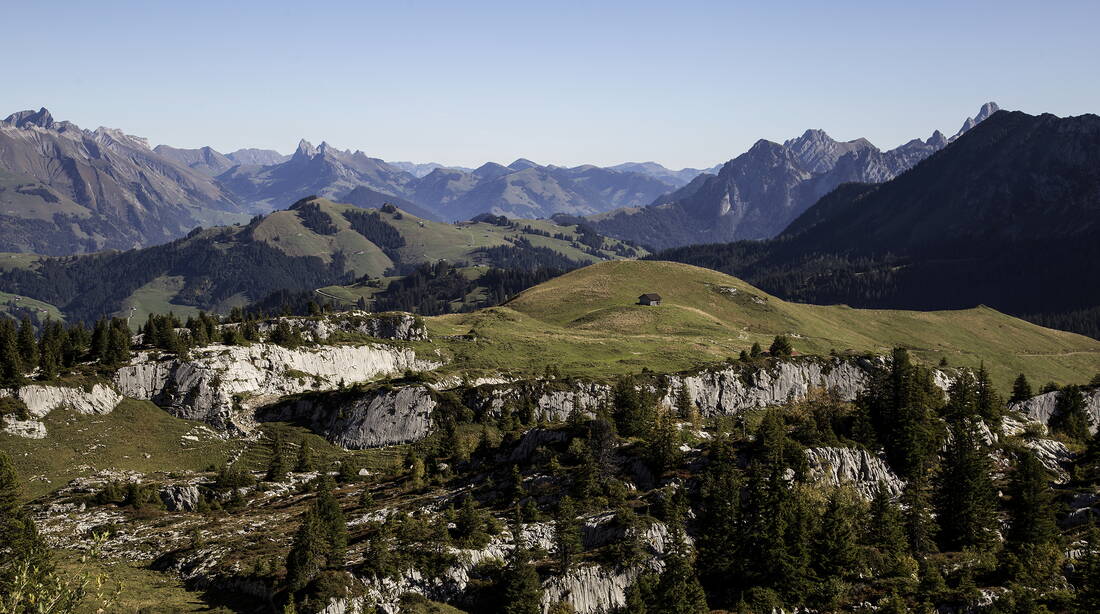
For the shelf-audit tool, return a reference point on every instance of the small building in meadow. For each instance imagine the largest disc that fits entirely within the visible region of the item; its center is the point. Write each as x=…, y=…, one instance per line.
x=651, y=298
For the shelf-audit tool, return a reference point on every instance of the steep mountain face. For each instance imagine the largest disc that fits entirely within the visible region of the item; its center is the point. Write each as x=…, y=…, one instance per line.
x=757, y=194
x=67, y=190
x=1007, y=215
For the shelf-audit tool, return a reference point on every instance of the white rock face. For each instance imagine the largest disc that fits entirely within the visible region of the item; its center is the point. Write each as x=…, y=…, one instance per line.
x=853, y=467
x=730, y=391
x=180, y=498
x=41, y=399
x=723, y=391
x=355, y=421
x=590, y=589
x=1040, y=408
x=204, y=386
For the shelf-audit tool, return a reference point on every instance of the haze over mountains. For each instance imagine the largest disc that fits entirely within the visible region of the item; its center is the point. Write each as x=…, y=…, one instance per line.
x=757, y=194
x=64, y=190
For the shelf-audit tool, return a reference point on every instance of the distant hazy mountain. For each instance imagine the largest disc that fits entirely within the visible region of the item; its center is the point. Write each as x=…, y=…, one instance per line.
x=674, y=179
x=757, y=194
x=419, y=170
x=322, y=171
x=205, y=159
x=1007, y=215
x=66, y=190
x=257, y=157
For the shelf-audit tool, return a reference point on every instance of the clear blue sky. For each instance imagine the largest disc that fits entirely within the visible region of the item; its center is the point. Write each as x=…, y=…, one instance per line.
x=682, y=83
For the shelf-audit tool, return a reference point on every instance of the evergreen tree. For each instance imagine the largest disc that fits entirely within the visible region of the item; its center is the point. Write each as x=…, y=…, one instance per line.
x=780, y=347
x=663, y=443
x=886, y=529
x=307, y=554
x=988, y=403
x=28, y=345
x=635, y=411
x=1087, y=599
x=900, y=404
x=920, y=527
x=720, y=559
x=304, y=464
x=333, y=525
x=1031, y=508
x=20, y=544
x=100, y=339
x=678, y=590
x=522, y=591
x=1021, y=389
x=756, y=351
x=835, y=547
x=11, y=363
x=117, y=351
x=965, y=498
x=567, y=534
x=277, y=466
x=1070, y=416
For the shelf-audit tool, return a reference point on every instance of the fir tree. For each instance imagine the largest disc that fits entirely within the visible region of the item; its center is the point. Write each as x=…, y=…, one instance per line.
x=678, y=590
x=1031, y=508
x=720, y=531
x=28, y=345
x=1070, y=416
x=304, y=464
x=277, y=467
x=1021, y=389
x=965, y=497
x=307, y=554
x=1087, y=599
x=886, y=529
x=835, y=546
x=756, y=351
x=780, y=347
x=522, y=591
x=920, y=527
x=567, y=534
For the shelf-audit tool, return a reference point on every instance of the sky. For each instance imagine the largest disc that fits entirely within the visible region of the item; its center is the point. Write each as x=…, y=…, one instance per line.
x=681, y=83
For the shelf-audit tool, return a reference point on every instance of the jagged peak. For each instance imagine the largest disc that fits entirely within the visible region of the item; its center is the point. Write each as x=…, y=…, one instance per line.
x=305, y=149
x=984, y=112
x=40, y=118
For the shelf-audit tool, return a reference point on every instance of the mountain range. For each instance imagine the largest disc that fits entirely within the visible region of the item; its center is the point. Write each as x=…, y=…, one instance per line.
x=65, y=190
x=757, y=194
x=1006, y=215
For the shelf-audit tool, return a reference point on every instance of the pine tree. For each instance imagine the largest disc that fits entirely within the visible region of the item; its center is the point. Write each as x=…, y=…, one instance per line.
x=1031, y=509
x=333, y=525
x=100, y=338
x=1021, y=389
x=920, y=527
x=20, y=543
x=886, y=529
x=118, y=344
x=28, y=345
x=678, y=590
x=567, y=534
x=965, y=497
x=304, y=463
x=277, y=467
x=899, y=404
x=780, y=347
x=835, y=546
x=720, y=542
x=989, y=404
x=1087, y=599
x=11, y=363
x=663, y=443
x=307, y=554
x=522, y=591
x=756, y=351
x=1070, y=416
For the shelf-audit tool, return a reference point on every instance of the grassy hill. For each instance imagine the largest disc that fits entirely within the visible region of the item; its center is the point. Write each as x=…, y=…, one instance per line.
x=588, y=322
x=315, y=243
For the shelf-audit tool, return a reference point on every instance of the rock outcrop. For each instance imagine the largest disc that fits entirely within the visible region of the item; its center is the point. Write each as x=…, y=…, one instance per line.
x=397, y=326
x=357, y=420
x=41, y=399
x=221, y=385
x=1041, y=408
x=853, y=467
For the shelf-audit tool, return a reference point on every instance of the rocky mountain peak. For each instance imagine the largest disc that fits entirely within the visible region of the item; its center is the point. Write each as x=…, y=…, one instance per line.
x=987, y=109
x=40, y=118
x=305, y=149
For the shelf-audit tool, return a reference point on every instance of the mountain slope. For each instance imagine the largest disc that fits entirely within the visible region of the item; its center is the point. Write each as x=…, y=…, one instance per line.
x=130, y=195
x=1007, y=215
x=313, y=244
x=757, y=194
